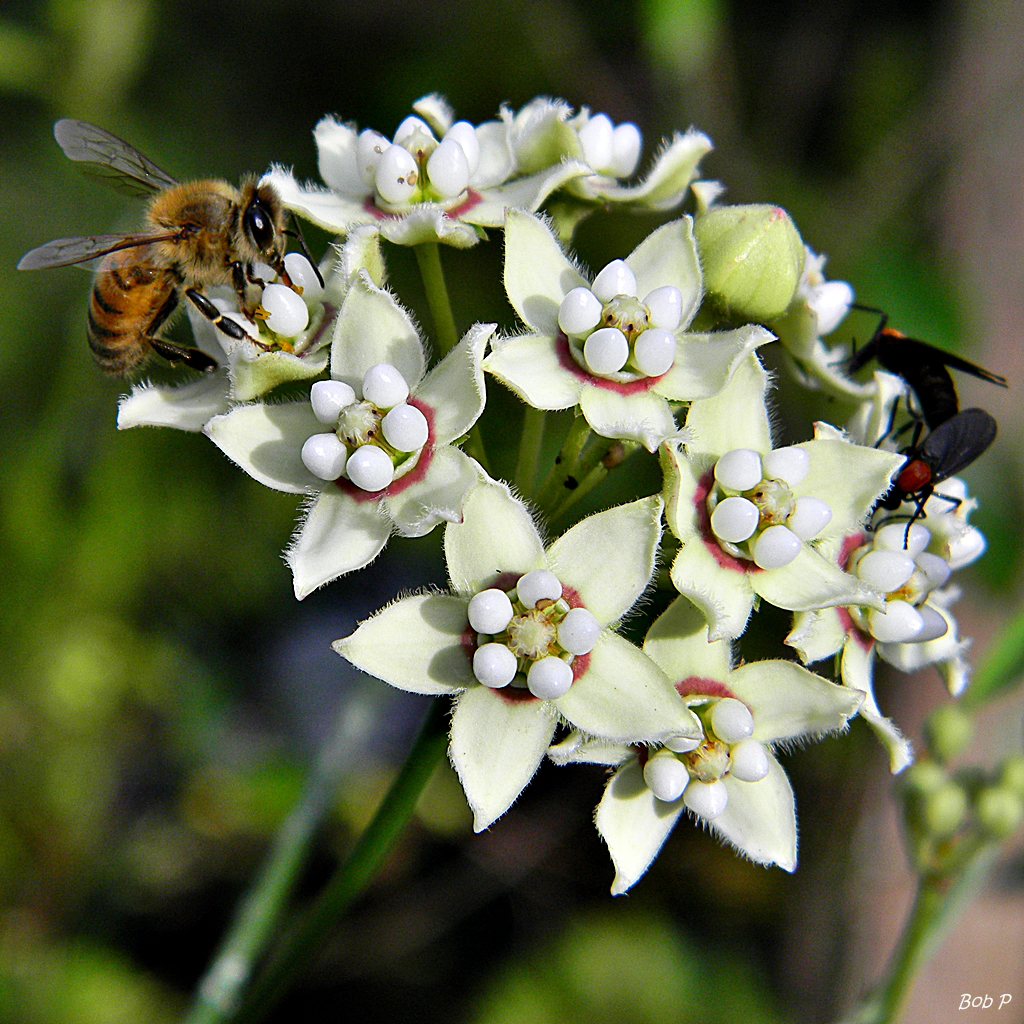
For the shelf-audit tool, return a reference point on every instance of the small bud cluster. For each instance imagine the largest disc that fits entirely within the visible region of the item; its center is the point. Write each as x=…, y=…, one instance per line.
x=374, y=437
x=528, y=636
x=695, y=769
x=754, y=513
x=613, y=332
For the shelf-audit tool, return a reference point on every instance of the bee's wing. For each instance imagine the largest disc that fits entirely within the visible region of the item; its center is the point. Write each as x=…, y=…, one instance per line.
x=62, y=252
x=110, y=158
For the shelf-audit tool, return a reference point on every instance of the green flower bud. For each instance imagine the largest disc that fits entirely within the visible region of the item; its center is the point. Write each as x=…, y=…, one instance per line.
x=752, y=258
x=948, y=730
x=924, y=777
x=1011, y=774
x=945, y=810
x=999, y=810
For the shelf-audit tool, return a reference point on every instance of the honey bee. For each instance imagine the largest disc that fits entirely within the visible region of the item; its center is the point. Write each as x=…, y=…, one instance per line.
x=197, y=235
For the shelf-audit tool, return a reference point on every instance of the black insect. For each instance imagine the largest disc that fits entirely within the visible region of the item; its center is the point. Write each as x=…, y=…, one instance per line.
x=923, y=367
x=950, y=447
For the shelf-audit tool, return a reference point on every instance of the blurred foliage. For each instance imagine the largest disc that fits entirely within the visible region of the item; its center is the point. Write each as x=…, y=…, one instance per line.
x=163, y=695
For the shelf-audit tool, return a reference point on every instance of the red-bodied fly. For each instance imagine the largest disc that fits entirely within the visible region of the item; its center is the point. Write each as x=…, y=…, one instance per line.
x=949, y=448
x=923, y=367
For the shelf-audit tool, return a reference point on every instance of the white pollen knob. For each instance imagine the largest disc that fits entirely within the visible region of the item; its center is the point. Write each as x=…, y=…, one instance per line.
x=578, y=631
x=405, y=428
x=396, y=175
x=324, y=456
x=655, y=351
x=303, y=276
x=370, y=468
x=776, y=547
x=666, y=307
x=886, y=570
x=538, y=585
x=463, y=133
x=549, y=678
x=384, y=386
x=735, y=519
x=615, y=279
x=490, y=611
x=900, y=623
x=933, y=625
x=893, y=535
x=328, y=398
x=809, y=517
x=579, y=312
x=748, y=761
x=448, y=169
x=626, y=145
x=788, y=464
x=666, y=776
x=289, y=315
x=606, y=350
x=707, y=799
x=739, y=470
x=731, y=720
x=369, y=147
x=494, y=665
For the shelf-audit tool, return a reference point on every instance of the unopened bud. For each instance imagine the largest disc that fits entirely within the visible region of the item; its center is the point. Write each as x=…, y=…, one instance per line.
x=999, y=810
x=948, y=730
x=752, y=258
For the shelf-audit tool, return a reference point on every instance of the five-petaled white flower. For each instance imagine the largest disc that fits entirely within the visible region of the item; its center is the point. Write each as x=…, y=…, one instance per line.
x=751, y=518
x=373, y=447
x=729, y=777
x=617, y=347
x=526, y=641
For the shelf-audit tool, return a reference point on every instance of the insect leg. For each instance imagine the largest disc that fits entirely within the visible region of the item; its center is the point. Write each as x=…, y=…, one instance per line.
x=230, y=327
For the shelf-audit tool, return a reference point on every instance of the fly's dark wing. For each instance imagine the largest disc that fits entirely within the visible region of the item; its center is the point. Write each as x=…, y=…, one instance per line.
x=62, y=252
x=955, y=444
x=904, y=356
x=107, y=157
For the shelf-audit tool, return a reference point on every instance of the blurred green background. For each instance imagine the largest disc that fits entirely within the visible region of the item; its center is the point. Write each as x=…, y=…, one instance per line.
x=162, y=694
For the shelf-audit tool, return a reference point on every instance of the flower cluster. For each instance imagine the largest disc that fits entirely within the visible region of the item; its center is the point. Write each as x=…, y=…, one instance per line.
x=653, y=352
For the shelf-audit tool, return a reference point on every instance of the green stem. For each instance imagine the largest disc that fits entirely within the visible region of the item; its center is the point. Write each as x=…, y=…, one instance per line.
x=220, y=989
x=529, y=449
x=428, y=256
x=565, y=465
x=594, y=470
x=352, y=877
x=1002, y=667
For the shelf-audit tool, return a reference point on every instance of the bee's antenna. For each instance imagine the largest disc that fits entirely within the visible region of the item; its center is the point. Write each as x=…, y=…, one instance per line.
x=297, y=233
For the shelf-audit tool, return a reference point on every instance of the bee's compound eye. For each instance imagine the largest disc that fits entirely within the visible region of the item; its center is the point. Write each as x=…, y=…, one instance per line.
x=259, y=225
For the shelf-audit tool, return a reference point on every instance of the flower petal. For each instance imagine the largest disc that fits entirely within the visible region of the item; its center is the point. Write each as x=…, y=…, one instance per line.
x=668, y=256
x=497, y=745
x=677, y=641
x=634, y=823
x=337, y=535
x=812, y=581
x=438, y=497
x=522, y=194
x=530, y=365
x=857, y=673
x=644, y=416
x=723, y=595
x=373, y=328
x=623, y=696
x=496, y=535
x=329, y=210
x=816, y=635
x=266, y=441
x=537, y=273
x=428, y=222
x=713, y=423
x=187, y=407
x=454, y=388
x=705, y=363
x=789, y=701
x=608, y=558
x=414, y=644
x=760, y=818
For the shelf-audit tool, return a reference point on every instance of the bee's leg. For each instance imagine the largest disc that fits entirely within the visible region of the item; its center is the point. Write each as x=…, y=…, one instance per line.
x=230, y=327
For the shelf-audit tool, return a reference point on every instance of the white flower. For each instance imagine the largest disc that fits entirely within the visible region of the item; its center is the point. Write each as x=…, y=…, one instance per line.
x=501, y=728
x=550, y=368
x=790, y=488
x=730, y=779
x=353, y=509
x=437, y=180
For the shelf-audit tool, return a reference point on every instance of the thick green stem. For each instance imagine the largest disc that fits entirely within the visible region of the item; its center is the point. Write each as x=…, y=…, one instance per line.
x=529, y=449
x=593, y=472
x=428, y=256
x=558, y=481
x=257, y=918
x=352, y=877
